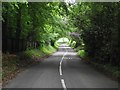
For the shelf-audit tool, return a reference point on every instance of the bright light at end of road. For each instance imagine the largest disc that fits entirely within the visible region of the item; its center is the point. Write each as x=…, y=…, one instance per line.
x=63, y=40
x=70, y=1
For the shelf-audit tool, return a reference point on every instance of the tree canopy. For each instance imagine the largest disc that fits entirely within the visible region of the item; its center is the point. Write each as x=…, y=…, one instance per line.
x=96, y=24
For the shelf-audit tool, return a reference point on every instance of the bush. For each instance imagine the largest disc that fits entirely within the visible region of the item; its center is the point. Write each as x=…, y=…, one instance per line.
x=36, y=54
x=48, y=49
x=73, y=43
x=101, y=37
x=82, y=53
x=56, y=45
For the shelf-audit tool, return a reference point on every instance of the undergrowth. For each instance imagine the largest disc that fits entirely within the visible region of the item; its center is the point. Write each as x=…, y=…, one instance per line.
x=12, y=63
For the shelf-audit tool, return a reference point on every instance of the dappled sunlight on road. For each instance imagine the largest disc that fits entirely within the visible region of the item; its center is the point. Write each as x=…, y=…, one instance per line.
x=68, y=53
x=63, y=49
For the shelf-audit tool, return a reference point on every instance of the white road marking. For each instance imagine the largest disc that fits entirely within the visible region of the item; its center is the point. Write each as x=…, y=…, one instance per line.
x=60, y=70
x=63, y=84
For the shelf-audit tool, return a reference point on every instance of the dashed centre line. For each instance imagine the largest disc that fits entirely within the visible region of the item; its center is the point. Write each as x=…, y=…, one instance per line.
x=63, y=84
x=60, y=70
x=60, y=67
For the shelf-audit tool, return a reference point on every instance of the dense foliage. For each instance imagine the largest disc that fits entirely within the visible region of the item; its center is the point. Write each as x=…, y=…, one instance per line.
x=95, y=26
x=98, y=28
x=41, y=22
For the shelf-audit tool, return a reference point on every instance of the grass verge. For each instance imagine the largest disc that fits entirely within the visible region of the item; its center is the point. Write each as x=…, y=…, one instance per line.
x=13, y=64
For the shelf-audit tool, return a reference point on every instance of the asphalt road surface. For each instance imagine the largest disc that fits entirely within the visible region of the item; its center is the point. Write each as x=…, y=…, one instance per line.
x=64, y=69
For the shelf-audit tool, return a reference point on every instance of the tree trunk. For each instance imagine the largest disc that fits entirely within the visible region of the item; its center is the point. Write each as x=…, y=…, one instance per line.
x=4, y=33
x=18, y=29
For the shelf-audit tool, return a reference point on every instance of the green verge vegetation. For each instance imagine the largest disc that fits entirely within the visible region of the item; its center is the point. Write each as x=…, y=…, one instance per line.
x=82, y=53
x=98, y=28
x=13, y=64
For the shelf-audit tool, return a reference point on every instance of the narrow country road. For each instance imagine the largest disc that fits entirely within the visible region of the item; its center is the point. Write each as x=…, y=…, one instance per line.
x=64, y=69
